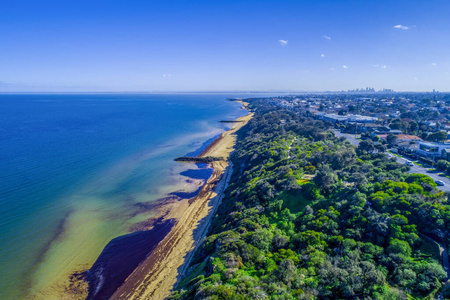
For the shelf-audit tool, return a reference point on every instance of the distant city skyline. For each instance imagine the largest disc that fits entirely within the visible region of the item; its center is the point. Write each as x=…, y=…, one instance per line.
x=149, y=46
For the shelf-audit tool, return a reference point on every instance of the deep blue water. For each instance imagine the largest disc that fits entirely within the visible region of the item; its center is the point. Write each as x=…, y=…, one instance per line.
x=51, y=146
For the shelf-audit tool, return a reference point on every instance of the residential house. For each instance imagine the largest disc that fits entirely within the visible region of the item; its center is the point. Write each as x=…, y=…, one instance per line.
x=401, y=138
x=407, y=147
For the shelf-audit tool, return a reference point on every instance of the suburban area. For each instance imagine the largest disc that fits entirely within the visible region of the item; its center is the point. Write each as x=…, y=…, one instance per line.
x=412, y=128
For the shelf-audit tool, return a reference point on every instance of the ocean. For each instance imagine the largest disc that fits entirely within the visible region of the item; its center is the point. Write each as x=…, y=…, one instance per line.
x=74, y=168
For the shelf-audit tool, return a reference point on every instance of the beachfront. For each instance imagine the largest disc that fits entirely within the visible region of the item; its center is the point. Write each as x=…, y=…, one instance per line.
x=156, y=276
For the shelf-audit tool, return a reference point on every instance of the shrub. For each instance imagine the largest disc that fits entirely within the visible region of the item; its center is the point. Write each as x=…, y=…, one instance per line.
x=310, y=170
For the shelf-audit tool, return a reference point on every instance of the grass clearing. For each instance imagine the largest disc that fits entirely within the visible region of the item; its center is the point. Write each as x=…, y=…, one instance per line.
x=294, y=202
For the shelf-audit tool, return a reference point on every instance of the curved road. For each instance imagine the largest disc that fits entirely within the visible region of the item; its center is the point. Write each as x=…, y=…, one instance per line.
x=414, y=169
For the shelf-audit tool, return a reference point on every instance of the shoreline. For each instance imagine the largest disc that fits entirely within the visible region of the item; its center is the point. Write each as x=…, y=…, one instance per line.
x=126, y=192
x=156, y=276
x=131, y=246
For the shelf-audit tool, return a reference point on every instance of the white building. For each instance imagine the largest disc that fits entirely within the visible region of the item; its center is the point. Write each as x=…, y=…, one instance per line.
x=346, y=118
x=432, y=150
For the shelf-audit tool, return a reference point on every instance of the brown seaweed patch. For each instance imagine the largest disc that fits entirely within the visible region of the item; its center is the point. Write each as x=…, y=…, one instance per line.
x=121, y=257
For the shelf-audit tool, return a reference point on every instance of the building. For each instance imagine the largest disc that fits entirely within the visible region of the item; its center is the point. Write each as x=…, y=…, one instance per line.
x=371, y=127
x=384, y=131
x=334, y=118
x=407, y=148
x=401, y=138
x=445, y=154
x=432, y=150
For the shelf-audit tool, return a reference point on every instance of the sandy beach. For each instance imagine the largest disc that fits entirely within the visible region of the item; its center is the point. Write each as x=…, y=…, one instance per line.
x=177, y=218
x=155, y=277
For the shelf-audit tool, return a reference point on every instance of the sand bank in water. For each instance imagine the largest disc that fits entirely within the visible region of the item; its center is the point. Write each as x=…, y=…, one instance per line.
x=156, y=276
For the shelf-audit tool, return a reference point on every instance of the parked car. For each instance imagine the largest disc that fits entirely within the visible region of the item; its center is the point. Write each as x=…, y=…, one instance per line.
x=409, y=163
x=440, y=182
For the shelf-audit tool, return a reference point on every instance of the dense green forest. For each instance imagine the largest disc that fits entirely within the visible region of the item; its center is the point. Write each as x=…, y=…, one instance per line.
x=309, y=216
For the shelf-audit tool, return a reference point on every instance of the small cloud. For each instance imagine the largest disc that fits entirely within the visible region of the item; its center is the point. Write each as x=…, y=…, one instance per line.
x=402, y=27
x=434, y=64
x=322, y=55
x=332, y=69
x=166, y=75
x=327, y=37
x=283, y=42
x=415, y=78
x=344, y=66
x=380, y=66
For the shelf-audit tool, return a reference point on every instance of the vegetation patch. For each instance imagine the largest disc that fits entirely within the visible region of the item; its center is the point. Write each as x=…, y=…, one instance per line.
x=327, y=221
x=294, y=202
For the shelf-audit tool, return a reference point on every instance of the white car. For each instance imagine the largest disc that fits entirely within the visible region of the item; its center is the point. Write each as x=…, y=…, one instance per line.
x=409, y=163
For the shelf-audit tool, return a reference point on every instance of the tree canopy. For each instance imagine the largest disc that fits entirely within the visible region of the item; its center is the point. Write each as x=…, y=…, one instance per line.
x=309, y=216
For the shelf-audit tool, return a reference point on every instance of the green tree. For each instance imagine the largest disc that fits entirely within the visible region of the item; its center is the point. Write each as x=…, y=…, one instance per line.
x=413, y=126
x=420, y=179
x=391, y=139
x=380, y=148
x=440, y=136
x=370, y=277
x=366, y=146
x=310, y=191
x=286, y=271
x=325, y=178
x=261, y=239
x=399, y=247
x=443, y=165
x=310, y=169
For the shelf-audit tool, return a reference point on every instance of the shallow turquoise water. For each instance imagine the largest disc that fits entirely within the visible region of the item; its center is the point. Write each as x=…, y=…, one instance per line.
x=61, y=154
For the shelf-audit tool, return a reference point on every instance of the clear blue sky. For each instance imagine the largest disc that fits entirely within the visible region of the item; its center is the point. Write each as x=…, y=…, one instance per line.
x=224, y=45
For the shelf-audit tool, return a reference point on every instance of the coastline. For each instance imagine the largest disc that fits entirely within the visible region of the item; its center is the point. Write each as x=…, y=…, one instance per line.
x=128, y=247
x=156, y=276
x=92, y=190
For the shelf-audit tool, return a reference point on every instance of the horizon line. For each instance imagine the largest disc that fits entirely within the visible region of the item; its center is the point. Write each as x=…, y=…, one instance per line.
x=219, y=92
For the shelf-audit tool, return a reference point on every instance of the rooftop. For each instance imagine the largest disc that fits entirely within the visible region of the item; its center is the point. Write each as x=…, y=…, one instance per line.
x=408, y=137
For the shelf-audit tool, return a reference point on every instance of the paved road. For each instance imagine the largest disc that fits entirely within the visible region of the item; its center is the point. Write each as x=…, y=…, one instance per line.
x=350, y=137
x=414, y=169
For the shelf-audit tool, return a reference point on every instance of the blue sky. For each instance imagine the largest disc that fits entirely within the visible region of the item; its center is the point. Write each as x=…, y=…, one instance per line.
x=224, y=45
